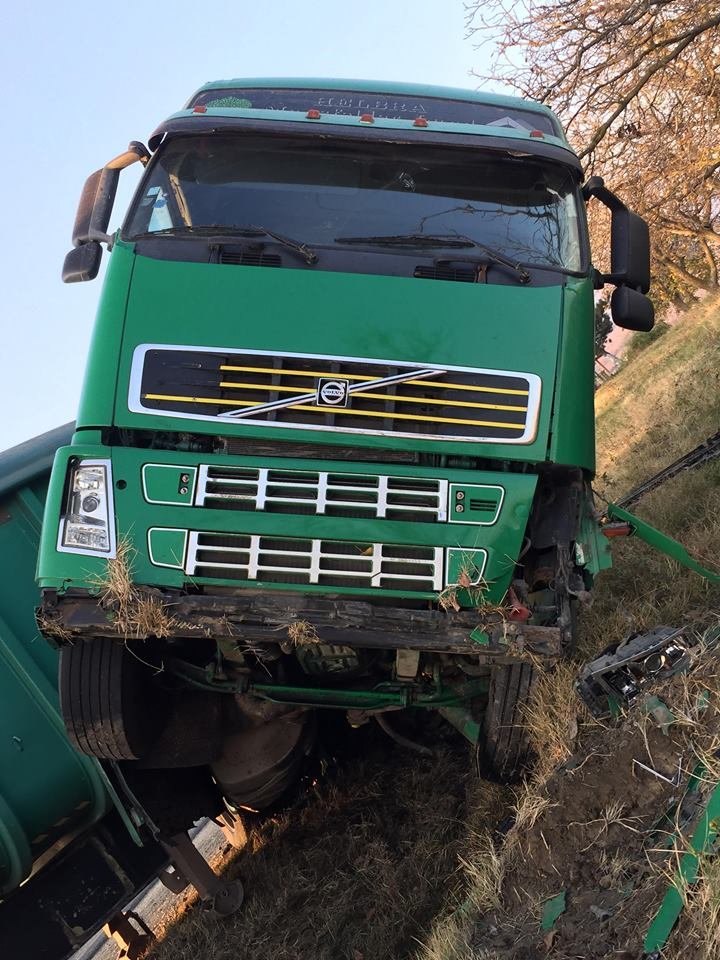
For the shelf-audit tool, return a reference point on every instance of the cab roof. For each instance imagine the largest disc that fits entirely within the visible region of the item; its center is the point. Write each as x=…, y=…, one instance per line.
x=369, y=104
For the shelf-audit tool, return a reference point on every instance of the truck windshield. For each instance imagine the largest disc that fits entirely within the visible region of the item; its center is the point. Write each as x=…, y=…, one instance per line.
x=321, y=192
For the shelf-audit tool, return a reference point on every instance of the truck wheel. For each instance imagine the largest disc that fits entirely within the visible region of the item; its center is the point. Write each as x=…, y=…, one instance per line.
x=105, y=699
x=507, y=744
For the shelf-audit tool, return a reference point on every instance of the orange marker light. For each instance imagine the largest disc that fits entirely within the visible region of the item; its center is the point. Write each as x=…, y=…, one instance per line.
x=367, y=118
x=611, y=530
x=537, y=133
x=200, y=109
x=420, y=122
x=313, y=114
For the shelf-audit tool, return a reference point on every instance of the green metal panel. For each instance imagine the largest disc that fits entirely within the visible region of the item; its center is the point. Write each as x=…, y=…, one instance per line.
x=702, y=843
x=166, y=483
x=136, y=517
x=573, y=426
x=96, y=399
x=47, y=790
x=326, y=313
x=661, y=541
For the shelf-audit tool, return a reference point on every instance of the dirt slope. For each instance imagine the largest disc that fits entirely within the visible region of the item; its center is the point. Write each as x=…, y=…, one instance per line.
x=586, y=821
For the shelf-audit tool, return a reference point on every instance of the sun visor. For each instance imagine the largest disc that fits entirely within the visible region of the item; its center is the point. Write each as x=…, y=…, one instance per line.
x=339, y=128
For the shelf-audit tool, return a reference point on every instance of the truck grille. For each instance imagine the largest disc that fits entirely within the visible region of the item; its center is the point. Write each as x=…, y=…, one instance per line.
x=417, y=500
x=324, y=562
x=336, y=393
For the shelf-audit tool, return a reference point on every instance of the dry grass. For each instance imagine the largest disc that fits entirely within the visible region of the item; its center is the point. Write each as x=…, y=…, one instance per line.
x=472, y=588
x=357, y=871
x=663, y=403
x=698, y=935
x=551, y=717
x=657, y=408
x=137, y=613
x=53, y=628
x=302, y=633
x=482, y=865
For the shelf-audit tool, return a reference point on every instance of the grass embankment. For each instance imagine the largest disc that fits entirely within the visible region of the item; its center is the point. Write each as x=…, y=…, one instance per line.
x=401, y=848
x=355, y=869
x=659, y=406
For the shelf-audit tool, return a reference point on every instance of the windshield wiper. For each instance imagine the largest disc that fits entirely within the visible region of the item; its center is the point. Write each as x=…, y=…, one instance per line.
x=453, y=240
x=411, y=240
x=224, y=231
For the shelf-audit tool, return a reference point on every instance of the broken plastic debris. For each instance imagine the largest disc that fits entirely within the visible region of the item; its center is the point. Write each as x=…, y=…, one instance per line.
x=659, y=711
x=552, y=909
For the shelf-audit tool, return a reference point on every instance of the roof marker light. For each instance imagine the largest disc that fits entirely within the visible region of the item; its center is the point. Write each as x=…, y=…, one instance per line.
x=367, y=118
x=420, y=122
x=537, y=133
x=200, y=108
x=313, y=114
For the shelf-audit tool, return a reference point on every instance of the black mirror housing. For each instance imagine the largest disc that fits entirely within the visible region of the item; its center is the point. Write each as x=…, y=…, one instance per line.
x=81, y=228
x=629, y=239
x=630, y=250
x=95, y=207
x=632, y=310
x=82, y=263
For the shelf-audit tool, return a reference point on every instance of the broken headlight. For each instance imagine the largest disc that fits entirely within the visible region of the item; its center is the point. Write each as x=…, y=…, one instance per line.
x=88, y=525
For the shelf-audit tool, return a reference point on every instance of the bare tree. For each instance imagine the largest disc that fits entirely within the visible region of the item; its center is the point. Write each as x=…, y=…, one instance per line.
x=637, y=84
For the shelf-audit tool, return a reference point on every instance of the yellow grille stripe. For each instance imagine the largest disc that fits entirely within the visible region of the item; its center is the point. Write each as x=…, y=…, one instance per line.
x=230, y=403
x=382, y=396
x=356, y=376
x=341, y=410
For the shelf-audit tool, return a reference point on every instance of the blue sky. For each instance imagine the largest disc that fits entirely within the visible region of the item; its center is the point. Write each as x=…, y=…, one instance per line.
x=80, y=80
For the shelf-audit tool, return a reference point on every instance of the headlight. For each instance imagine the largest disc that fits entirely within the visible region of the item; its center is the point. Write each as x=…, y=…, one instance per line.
x=88, y=525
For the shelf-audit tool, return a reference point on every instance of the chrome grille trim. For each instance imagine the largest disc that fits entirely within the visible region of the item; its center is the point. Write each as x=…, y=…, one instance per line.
x=294, y=560
x=323, y=492
x=269, y=389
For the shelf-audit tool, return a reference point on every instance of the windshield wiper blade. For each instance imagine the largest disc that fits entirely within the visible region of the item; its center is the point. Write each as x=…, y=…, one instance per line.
x=188, y=229
x=411, y=240
x=225, y=231
x=454, y=240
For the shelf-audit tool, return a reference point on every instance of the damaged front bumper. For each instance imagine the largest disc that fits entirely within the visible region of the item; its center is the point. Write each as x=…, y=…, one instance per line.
x=257, y=620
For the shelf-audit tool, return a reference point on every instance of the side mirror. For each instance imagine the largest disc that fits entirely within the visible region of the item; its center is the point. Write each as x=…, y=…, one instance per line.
x=632, y=310
x=629, y=240
x=93, y=215
x=82, y=263
x=95, y=207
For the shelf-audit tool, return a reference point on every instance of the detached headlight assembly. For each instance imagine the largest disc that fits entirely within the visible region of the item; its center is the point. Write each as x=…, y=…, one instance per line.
x=88, y=525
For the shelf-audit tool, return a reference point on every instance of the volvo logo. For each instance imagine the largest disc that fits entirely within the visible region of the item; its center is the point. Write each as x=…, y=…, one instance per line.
x=332, y=393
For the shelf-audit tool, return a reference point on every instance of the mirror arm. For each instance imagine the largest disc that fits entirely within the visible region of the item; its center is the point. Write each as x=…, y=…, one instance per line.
x=96, y=231
x=98, y=236
x=595, y=187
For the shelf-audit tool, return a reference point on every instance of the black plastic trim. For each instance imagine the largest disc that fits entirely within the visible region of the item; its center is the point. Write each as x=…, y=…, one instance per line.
x=283, y=128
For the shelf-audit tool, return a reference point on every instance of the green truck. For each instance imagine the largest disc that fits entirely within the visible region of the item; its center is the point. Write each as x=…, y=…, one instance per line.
x=335, y=442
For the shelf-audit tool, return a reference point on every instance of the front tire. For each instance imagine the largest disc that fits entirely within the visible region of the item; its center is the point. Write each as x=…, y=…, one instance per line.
x=107, y=699
x=507, y=748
